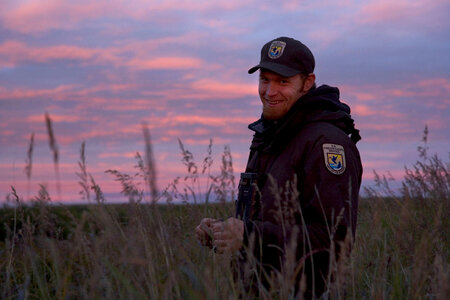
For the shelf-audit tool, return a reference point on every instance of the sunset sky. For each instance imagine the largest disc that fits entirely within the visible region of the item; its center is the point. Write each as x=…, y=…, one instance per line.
x=101, y=68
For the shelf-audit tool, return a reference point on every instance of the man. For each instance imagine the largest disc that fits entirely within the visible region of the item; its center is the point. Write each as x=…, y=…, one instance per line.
x=305, y=171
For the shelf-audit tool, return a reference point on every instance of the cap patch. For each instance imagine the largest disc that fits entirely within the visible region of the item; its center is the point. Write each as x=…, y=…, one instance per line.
x=334, y=156
x=276, y=49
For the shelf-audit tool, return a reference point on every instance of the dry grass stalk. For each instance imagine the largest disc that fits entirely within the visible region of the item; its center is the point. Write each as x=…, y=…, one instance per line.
x=52, y=139
x=29, y=163
x=224, y=183
x=99, y=197
x=150, y=174
x=83, y=175
x=54, y=148
x=129, y=187
x=29, y=159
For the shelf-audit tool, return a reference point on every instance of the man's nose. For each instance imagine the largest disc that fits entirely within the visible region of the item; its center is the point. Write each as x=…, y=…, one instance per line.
x=271, y=90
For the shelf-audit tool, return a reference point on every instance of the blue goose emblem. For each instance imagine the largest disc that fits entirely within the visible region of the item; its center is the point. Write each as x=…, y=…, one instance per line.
x=335, y=161
x=276, y=49
x=334, y=156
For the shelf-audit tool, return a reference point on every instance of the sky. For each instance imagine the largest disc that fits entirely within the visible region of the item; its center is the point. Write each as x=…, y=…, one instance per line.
x=101, y=69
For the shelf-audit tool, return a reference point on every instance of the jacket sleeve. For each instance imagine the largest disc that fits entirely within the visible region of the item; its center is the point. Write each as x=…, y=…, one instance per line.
x=326, y=210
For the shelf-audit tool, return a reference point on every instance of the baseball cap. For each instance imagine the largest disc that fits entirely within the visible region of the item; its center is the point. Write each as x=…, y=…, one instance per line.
x=285, y=56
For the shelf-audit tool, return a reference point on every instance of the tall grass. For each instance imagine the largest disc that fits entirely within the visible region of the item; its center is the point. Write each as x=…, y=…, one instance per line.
x=143, y=250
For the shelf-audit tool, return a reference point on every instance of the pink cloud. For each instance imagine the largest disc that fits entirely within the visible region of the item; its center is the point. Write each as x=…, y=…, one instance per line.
x=309, y=5
x=142, y=8
x=112, y=130
x=323, y=37
x=380, y=11
x=7, y=132
x=167, y=63
x=426, y=88
x=363, y=110
x=383, y=127
x=368, y=174
x=55, y=118
x=205, y=120
x=400, y=11
x=57, y=92
x=435, y=87
x=360, y=93
x=378, y=163
x=174, y=133
x=116, y=154
x=225, y=89
x=438, y=124
x=143, y=48
x=14, y=53
x=205, y=89
x=34, y=16
x=117, y=104
x=167, y=128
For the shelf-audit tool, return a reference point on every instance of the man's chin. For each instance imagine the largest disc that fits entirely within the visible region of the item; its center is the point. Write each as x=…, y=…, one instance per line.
x=271, y=116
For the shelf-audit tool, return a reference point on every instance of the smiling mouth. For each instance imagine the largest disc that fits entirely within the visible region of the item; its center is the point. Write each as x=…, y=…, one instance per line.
x=273, y=102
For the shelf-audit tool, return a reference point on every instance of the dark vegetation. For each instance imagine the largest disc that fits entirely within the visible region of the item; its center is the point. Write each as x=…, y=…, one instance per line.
x=146, y=249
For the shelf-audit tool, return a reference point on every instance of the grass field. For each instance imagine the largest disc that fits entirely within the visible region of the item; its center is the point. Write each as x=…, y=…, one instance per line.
x=144, y=250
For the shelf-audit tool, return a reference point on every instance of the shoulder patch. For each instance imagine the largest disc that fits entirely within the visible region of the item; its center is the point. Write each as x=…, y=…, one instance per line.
x=334, y=156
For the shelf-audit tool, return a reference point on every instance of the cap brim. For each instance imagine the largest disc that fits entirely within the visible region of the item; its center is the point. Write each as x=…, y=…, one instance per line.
x=276, y=68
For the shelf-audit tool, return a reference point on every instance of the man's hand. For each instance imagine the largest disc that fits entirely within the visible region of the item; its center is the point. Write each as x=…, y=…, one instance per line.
x=228, y=235
x=204, y=233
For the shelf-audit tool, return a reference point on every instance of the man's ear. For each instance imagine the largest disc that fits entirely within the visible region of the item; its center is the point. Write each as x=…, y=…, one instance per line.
x=309, y=82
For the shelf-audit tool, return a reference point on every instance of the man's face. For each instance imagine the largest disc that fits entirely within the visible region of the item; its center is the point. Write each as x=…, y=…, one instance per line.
x=278, y=93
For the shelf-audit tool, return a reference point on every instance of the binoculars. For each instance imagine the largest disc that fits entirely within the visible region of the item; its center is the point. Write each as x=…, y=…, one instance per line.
x=246, y=200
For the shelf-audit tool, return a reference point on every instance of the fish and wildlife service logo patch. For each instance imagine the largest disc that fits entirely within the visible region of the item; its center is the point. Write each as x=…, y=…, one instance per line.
x=276, y=49
x=334, y=156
